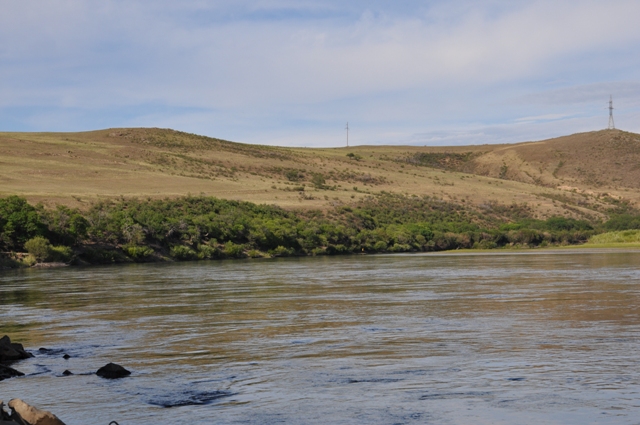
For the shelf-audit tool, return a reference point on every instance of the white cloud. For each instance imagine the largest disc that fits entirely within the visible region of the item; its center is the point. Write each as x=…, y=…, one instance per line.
x=397, y=69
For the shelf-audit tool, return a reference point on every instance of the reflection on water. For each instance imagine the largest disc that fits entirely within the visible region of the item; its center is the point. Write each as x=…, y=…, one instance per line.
x=456, y=339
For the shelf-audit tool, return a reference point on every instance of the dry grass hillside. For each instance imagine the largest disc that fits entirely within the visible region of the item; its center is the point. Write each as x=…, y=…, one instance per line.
x=583, y=175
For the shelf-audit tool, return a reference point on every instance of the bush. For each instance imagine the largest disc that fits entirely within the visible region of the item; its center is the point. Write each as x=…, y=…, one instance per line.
x=39, y=247
x=281, y=251
x=61, y=254
x=19, y=222
x=233, y=250
x=623, y=222
x=28, y=260
x=318, y=180
x=337, y=249
x=183, y=253
x=208, y=252
x=380, y=246
x=95, y=255
x=137, y=253
x=254, y=253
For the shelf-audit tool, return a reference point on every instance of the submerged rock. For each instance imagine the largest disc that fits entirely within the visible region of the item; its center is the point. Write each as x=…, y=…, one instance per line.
x=188, y=398
x=112, y=371
x=10, y=351
x=50, y=351
x=24, y=414
x=6, y=372
x=67, y=372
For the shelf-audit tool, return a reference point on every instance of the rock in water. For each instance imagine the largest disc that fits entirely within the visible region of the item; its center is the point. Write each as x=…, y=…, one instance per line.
x=10, y=352
x=6, y=372
x=112, y=371
x=22, y=413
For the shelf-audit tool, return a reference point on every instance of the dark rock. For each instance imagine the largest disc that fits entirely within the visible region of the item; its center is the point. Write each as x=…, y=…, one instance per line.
x=67, y=372
x=50, y=351
x=10, y=352
x=5, y=418
x=112, y=371
x=6, y=372
x=66, y=357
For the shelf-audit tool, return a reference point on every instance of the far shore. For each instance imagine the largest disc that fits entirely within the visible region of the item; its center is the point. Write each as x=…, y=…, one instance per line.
x=547, y=249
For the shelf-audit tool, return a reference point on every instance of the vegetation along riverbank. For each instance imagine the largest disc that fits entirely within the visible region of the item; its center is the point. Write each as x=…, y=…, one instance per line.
x=200, y=227
x=123, y=195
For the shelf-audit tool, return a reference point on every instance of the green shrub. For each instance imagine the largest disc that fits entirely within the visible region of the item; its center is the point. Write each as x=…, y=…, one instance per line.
x=137, y=253
x=318, y=180
x=623, y=222
x=293, y=175
x=61, y=254
x=183, y=253
x=254, y=253
x=208, y=252
x=400, y=247
x=281, y=251
x=28, y=260
x=485, y=244
x=380, y=246
x=39, y=247
x=337, y=249
x=19, y=222
x=233, y=250
x=96, y=255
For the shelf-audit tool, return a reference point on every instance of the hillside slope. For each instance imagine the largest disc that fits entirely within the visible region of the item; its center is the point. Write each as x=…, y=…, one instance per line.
x=583, y=175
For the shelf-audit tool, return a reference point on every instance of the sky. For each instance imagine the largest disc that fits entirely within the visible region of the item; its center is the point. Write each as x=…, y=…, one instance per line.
x=293, y=73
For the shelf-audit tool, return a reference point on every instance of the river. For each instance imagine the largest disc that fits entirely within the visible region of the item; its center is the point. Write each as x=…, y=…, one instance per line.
x=502, y=337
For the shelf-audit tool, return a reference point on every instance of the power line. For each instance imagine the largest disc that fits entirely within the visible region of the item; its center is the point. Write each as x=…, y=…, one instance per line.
x=347, y=128
x=612, y=125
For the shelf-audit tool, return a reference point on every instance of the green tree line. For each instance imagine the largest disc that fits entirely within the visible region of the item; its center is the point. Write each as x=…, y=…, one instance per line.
x=198, y=227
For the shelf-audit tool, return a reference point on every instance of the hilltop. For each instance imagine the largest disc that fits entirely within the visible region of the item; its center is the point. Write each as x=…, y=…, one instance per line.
x=585, y=175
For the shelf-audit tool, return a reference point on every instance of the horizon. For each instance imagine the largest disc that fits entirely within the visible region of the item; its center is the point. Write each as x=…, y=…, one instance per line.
x=317, y=147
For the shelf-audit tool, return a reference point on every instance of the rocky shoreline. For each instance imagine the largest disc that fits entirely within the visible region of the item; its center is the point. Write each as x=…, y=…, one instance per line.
x=22, y=413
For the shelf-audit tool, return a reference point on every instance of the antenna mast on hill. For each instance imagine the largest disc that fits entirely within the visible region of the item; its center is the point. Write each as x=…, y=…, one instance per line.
x=347, y=128
x=612, y=126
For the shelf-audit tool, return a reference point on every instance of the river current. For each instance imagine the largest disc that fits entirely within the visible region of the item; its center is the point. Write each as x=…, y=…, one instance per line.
x=542, y=337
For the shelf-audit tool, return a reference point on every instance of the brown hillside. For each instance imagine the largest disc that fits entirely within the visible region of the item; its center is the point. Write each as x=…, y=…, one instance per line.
x=586, y=161
x=583, y=175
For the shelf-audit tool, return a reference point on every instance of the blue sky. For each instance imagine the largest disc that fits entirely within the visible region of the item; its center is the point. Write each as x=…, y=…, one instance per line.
x=292, y=73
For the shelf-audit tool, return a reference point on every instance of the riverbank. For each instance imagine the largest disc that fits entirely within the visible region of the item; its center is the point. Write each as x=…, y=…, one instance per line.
x=198, y=228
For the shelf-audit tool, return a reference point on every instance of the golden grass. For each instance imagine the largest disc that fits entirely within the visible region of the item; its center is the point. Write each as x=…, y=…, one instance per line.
x=78, y=168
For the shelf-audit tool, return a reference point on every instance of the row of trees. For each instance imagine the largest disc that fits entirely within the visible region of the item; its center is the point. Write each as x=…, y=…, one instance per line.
x=205, y=227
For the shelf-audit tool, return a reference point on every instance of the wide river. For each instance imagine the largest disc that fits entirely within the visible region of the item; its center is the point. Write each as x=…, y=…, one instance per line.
x=516, y=338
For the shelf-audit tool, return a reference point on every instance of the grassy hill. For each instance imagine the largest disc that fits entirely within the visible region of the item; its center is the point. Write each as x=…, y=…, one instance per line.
x=584, y=175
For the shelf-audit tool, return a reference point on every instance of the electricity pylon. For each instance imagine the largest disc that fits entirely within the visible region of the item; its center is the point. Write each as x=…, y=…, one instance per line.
x=612, y=125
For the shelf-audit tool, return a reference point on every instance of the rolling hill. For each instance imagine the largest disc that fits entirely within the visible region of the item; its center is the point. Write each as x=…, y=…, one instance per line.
x=584, y=175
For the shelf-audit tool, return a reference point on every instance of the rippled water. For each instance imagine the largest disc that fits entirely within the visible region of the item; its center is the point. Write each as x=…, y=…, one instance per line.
x=545, y=337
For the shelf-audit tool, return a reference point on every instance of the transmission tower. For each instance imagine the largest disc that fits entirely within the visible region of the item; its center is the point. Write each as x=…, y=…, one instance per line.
x=612, y=125
x=347, y=128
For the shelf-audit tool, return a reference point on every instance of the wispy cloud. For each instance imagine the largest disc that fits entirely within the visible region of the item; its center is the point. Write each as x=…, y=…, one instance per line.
x=279, y=71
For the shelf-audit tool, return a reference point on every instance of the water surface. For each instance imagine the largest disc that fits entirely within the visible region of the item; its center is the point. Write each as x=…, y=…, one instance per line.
x=546, y=337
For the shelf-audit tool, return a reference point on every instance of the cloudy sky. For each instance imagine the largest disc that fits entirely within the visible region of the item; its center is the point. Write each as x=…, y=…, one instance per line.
x=293, y=72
